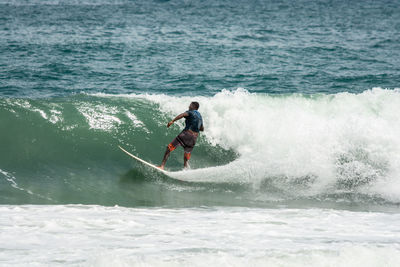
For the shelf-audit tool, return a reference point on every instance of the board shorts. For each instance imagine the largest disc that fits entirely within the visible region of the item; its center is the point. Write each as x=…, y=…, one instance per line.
x=186, y=139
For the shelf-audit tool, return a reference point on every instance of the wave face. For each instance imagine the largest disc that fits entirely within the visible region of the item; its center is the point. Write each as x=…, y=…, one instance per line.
x=258, y=149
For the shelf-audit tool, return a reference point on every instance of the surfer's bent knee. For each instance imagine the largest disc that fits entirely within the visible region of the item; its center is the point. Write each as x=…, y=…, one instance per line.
x=187, y=155
x=171, y=147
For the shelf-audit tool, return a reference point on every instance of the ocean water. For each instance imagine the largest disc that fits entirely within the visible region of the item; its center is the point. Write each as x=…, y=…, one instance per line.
x=299, y=163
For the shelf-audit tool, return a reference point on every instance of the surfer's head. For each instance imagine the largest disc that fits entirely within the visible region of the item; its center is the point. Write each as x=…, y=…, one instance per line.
x=194, y=105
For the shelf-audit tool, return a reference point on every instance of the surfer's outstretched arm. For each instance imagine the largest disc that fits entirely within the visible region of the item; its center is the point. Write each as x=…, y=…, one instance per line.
x=180, y=116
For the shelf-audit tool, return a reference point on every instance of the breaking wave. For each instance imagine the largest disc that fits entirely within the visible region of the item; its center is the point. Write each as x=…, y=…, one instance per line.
x=256, y=148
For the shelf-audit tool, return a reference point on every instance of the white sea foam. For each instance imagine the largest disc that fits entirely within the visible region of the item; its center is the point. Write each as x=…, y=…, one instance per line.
x=53, y=113
x=100, y=117
x=347, y=256
x=13, y=182
x=77, y=235
x=10, y=178
x=55, y=116
x=136, y=122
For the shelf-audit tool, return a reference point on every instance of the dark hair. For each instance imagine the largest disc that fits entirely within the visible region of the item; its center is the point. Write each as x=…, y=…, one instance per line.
x=196, y=105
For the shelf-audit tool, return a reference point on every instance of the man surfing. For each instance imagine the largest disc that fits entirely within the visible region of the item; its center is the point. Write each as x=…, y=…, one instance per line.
x=187, y=138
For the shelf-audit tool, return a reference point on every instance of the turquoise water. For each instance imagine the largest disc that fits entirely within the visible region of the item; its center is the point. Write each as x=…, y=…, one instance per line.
x=299, y=163
x=258, y=150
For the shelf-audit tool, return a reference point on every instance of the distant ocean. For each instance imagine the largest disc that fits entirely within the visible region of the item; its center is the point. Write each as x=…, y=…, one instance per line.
x=299, y=164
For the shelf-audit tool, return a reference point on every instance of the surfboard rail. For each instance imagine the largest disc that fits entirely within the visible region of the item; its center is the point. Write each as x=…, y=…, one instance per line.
x=143, y=161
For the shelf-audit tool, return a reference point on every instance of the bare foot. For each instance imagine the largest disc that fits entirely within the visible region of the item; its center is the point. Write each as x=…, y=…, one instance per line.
x=160, y=167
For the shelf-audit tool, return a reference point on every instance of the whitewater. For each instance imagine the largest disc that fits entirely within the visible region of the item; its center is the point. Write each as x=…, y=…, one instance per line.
x=77, y=235
x=337, y=142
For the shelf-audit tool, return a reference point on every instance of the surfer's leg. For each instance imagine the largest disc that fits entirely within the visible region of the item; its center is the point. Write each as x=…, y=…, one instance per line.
x=171, y=147
x=186, y=157
x=188, y=142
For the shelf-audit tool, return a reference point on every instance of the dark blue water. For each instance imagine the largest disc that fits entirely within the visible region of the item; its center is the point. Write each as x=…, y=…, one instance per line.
x=50, y=48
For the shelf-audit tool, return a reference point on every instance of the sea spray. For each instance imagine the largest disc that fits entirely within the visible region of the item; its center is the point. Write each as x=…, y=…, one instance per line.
x=345, y=141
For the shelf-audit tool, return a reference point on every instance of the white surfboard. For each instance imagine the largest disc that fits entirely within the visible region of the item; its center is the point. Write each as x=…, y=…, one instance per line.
x=144, y=162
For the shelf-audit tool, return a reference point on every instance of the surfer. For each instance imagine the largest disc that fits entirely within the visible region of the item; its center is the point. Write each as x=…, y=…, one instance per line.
x=187, y=138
